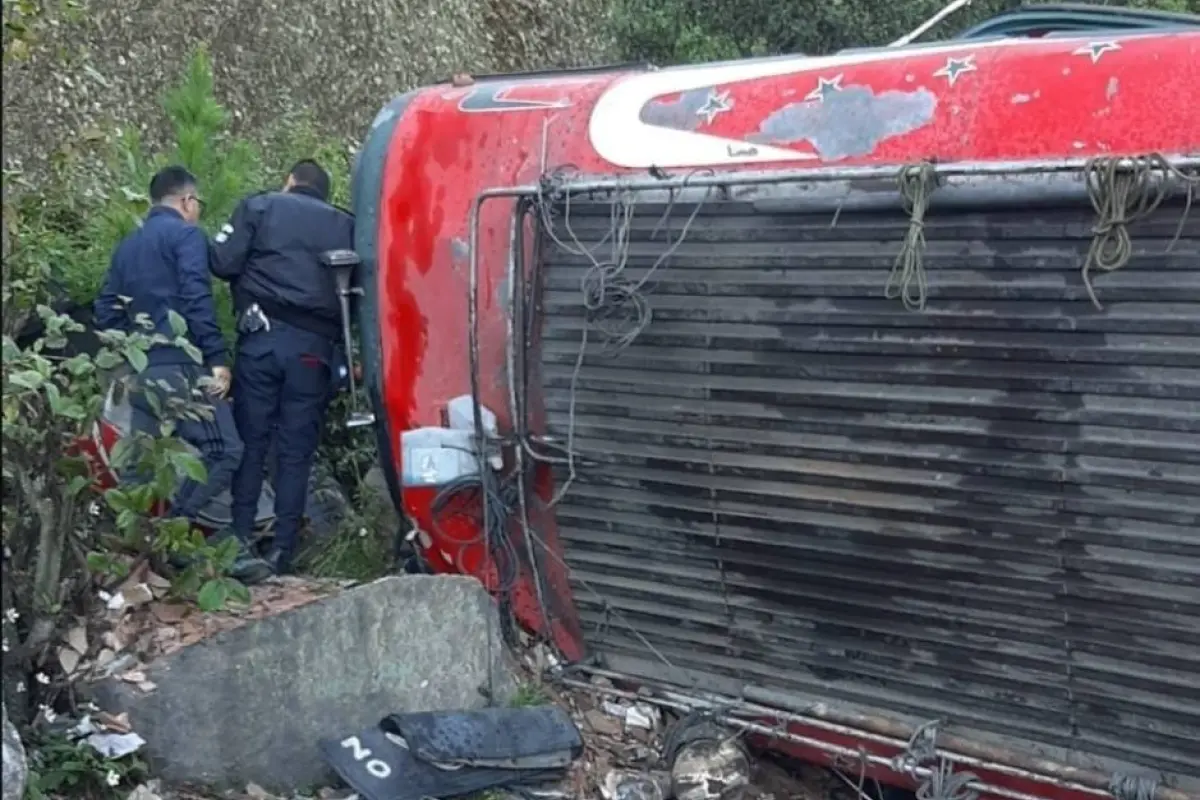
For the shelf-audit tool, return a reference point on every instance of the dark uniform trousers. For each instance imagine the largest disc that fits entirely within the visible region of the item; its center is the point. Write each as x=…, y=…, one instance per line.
x=211, y=430
x=282, y=381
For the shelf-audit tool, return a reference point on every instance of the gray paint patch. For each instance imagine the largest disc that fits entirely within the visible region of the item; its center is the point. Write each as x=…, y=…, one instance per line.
x=502, y=297
x=851, y=122
x=682, y=114
x=1113, y=87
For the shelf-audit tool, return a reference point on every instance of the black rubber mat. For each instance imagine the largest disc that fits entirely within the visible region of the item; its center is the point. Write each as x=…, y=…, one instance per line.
x=509, y=738
x=447, y=754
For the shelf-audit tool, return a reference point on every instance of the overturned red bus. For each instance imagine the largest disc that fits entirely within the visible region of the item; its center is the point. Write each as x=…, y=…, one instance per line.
x=860, y=390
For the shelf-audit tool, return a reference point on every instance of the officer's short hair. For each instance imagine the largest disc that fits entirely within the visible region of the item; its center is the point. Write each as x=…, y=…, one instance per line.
x=309, y=173
x=169, y=182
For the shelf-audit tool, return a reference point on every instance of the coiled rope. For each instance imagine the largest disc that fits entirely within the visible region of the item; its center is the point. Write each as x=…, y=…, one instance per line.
x=1124, y=190
x=907, y=279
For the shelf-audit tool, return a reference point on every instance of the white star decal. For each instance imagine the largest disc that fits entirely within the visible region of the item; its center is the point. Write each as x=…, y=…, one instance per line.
x=716, y=103
x=955, y=67
x=825, y=87
x=1095, y=50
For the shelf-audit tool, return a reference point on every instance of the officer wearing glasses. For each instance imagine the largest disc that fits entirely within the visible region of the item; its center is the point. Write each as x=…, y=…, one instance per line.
x=161, y=268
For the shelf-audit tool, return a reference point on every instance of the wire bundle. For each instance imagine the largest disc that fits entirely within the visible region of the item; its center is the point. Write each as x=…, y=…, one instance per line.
x=616, y=308
x=463, y=498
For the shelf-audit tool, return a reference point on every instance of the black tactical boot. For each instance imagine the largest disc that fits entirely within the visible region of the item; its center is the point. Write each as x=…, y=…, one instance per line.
x=250, y=569
x=279, y=562
x=247, y=567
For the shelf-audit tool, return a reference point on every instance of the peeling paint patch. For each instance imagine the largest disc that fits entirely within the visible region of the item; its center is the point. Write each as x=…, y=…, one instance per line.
x=1113, y=87
x=681, y=114
x=851, y=122
x=1020, y=98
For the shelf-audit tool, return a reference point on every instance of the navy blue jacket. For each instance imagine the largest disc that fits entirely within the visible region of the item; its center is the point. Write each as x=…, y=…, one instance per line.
x=270, y=252
x=163, y=267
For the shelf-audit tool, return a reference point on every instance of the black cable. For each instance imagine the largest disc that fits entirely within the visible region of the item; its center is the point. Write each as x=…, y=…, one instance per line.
x=462, y=498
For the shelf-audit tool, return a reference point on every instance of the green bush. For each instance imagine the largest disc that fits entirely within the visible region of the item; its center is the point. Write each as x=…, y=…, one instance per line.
x=685, y=31
x=58, y=238
x=63, y=767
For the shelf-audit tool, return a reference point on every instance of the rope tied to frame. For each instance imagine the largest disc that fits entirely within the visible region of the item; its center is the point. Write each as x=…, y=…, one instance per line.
x=944, y=783
x=907, y=280
x=1122, y=191
x=1132, y=787
x=920, y=749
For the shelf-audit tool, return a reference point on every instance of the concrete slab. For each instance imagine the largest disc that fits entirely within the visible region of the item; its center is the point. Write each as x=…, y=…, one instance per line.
x=248, y=705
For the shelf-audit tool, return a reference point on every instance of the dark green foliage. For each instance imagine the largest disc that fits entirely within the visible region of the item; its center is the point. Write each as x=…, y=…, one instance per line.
x=685, y=31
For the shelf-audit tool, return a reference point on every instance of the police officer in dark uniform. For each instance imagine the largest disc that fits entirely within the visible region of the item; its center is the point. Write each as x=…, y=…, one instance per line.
x=289, y=326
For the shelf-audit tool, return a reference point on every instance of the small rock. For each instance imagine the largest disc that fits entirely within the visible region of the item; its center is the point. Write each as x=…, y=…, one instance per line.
x=602, y=723
x=157, y=582
x=257, y=792
x=68, y=659
x=137, y=595
x=147, y=791
x=77, y=640
x=169, y=613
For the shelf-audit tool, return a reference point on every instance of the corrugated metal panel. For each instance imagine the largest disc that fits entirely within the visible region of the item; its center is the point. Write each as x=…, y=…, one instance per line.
x=986, y=512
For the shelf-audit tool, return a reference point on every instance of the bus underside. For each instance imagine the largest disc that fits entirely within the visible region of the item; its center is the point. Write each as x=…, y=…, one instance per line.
x=783, y=485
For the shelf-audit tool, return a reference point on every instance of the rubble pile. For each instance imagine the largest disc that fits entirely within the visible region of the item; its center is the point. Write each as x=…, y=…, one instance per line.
x=627, y=756
x=634, y=750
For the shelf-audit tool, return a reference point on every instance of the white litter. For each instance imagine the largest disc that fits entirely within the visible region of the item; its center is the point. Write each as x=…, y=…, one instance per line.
x=115, y=745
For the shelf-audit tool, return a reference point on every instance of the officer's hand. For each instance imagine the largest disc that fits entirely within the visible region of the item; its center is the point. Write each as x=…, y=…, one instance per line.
x=221, y=379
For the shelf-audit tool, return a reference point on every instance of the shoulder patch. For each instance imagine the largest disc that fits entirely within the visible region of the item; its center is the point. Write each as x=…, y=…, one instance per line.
x=223, y=234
